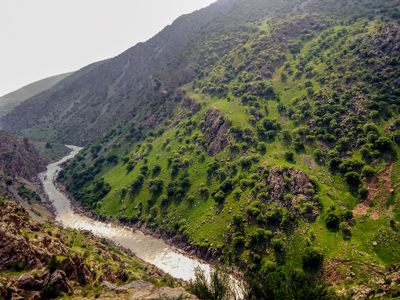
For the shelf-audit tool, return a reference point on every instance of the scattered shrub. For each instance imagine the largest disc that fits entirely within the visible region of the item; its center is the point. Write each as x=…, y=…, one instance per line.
x=332, y=221
x=312, y=259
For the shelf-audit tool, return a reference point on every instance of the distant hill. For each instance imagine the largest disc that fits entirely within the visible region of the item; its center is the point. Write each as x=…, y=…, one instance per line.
x=10, y=101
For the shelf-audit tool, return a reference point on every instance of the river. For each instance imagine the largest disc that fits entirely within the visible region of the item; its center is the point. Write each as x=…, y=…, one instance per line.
x=151, y=250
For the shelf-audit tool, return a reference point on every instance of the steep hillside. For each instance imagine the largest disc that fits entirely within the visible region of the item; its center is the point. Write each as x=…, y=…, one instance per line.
x=281, y=157
x=12, y=100
x=131, y=86
x=39, y=260
x=80, y=109
x=19, y=158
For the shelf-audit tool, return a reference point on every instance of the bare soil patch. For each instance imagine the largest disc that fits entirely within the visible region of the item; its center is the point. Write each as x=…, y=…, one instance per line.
x=379, y=188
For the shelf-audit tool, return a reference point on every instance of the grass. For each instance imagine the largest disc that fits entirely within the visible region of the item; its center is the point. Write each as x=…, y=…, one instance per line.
x=55, y=152
x=208, y=224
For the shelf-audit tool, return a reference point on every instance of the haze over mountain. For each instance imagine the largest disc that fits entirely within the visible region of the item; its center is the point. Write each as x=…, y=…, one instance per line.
x=10, y=101
x=90, y=101
x=47, y=42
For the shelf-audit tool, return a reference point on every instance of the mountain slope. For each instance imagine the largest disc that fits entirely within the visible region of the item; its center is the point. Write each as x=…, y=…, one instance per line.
x=281, y=158
x=12, y=100
x=132, y=85
x=19, y=158
x=40, y=260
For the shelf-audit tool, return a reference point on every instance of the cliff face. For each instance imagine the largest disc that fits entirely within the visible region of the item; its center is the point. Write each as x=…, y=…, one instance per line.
x=18, y=157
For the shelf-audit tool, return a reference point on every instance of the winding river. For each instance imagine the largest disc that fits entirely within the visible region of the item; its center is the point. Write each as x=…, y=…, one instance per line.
x=152, y=250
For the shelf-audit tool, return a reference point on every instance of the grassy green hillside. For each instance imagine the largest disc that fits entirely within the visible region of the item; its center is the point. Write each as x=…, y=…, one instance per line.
x=281, y=158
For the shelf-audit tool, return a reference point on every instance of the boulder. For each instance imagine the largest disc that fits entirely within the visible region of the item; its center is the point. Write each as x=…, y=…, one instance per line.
x=58, y=281
x=28, y=282
x=75, y=269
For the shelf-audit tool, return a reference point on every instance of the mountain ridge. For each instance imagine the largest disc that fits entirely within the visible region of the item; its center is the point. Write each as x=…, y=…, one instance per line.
x=122, y=87
x=11, y=100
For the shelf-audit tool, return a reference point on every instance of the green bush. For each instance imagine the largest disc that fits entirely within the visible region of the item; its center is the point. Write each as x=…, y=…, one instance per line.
x=219, y=197
x=156, y=170
x=137, y=184
x=363, y=193
x=259, y=238
x=289, y=156
x=346, y=230
x=312, y=259
x=226, y=186
x=130, y=166
x=53, y=263
x=332, y=221
x=353, y=179
x=49, y=292
x=156, y=186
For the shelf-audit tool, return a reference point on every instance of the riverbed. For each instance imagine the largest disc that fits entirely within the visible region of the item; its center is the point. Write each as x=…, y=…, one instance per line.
x=149, y=249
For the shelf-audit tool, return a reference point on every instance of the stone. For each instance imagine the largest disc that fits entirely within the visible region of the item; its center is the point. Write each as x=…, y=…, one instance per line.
x=75, y=269
x=216, y=130
x=28, y=282
x=58, y=281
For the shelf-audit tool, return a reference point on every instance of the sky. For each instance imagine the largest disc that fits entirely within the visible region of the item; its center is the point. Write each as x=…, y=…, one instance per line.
x=41, y=38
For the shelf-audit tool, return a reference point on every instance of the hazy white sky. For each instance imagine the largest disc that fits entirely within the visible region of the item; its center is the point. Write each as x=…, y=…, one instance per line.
x=41, y=38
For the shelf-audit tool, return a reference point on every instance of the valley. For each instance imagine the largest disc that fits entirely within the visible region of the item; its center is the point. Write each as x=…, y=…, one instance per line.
x=255, y=138
x=147, y=248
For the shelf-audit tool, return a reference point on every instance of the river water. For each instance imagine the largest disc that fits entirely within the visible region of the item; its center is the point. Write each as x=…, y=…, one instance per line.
x=152, y=250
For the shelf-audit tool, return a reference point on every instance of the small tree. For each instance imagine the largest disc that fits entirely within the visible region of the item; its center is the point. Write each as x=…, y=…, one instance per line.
x=289, y=156
x=353, y=179
x=332, y=221
x=219, y=197
x=312, y=259
x=261, y=147
x=156, y=186
x=156, y=170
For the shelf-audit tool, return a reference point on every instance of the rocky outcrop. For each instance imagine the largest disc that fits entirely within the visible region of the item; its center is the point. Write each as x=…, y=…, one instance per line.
x=44, y=286
x=292, y=189
x=216, y=130
x=28, y=282
x=17, y=251
x=75, y=269
x=58, y=281
x=384, y=286
x=28, y=246
x=18, y=157
x=189, y=103
x=282, y=181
